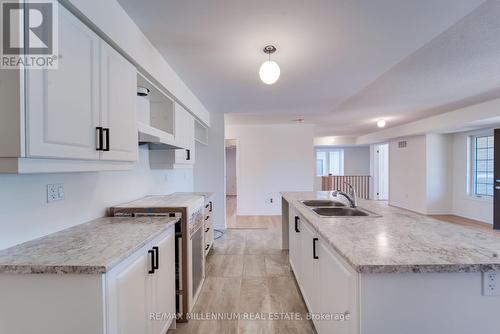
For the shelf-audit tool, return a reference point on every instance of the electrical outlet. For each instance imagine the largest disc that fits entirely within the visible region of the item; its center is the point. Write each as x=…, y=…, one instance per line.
x=55, y=192
x=491, y=284
x=270, y=200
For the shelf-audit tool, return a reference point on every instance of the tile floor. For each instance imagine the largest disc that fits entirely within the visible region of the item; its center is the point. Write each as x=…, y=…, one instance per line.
x=248, y=272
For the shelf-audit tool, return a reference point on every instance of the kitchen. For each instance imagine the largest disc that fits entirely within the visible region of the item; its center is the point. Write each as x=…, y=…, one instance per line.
x=113, y=173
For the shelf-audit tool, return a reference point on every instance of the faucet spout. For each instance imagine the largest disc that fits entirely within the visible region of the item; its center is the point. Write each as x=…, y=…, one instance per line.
x=351, y=197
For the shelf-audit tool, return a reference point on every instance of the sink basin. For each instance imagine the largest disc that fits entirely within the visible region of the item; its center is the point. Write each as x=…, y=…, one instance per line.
x=342, y=212
x=319, y=202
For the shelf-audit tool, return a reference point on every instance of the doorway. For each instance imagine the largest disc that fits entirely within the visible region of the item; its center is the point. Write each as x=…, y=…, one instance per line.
x=381, y=172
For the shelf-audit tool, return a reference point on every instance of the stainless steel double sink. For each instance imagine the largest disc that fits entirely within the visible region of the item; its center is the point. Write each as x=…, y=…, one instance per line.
x=331, y=208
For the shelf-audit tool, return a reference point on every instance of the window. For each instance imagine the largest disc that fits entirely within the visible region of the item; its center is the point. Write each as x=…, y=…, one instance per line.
x=329, y=161
x=482, y=165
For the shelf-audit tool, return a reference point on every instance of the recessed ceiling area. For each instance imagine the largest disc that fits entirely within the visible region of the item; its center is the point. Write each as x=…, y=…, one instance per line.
x=344, y=64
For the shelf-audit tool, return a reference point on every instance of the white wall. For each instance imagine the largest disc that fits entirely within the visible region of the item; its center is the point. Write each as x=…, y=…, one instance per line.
x=407, y=174
x=357, y=160
x=26, y=214
x=463, y=204
x=209, y=170
x=439, y=171
x=272, y=158
x=231, y=188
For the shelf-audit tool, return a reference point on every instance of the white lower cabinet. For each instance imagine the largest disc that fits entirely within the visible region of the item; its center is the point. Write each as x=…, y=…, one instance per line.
x=119, y=301
x=141, y=287
x=329, y=286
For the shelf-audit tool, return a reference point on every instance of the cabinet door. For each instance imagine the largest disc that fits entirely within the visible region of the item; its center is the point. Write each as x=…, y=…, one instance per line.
x=164, y=284
x=294, y=242
x=308, y=265
x=118, y=106
x=338, y=286
x=62, y=105
x=133, y=293
x=184, y=136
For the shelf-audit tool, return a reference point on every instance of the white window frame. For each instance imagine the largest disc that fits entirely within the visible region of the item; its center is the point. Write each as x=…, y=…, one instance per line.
x=472, y=164
x=328, y=150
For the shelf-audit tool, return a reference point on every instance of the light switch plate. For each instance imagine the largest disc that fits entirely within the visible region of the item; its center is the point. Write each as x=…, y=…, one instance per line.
x=491, y=284
x=55, y=192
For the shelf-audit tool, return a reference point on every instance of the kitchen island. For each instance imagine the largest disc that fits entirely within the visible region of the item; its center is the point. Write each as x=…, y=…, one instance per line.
x=394, y=271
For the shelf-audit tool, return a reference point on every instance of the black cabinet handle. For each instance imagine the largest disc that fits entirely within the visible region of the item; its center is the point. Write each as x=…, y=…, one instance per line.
x=206, y=218
x=207, y=246
x=211, y=207
x=152, y=258
x=106, y=132
x=297, y=224
x=208, y=229
x=99, y=139
x=188, y=154
x=206, y=206
x=157, y=258
x=315, y=256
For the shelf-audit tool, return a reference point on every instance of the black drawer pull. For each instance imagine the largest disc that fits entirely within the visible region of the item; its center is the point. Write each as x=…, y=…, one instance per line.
x=152, y=258
x=206, y=206
x=297, y=224
x=208, y=229
x=207, y=246
x=315, y=256
x=206, y=218
x=188, y=154
x=157, y=257
x=106, y=132
x=99, y=139
x=211, y=206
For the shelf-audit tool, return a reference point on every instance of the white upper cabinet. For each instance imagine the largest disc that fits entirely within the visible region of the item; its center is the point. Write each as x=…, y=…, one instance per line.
x=62, y=105
x=118, y=102
x=78, y=117
x=184, y=135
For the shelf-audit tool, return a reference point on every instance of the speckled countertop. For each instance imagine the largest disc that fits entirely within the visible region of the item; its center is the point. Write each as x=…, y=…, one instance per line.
x=401, y=241
x=90, y=248
x=159, y=202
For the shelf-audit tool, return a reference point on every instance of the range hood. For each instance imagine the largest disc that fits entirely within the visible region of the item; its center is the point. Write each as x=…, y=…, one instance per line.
x=155, y=138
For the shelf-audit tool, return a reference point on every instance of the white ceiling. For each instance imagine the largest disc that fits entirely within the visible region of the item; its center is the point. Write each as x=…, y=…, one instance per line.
x=344, y=64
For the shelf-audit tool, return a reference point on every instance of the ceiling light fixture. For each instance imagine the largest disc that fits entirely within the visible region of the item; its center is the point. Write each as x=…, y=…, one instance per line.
x=269, y=71
x=381, y=123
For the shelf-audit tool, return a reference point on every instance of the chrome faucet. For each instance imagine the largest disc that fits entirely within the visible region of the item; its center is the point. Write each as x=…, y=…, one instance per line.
x=351, y=196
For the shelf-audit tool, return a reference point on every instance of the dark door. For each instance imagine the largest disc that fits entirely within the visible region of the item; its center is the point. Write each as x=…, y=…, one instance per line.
x=496, y=210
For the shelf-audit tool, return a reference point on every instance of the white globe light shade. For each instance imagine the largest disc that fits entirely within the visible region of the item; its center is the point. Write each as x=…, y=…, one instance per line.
x=269, y=72
x=381, y=123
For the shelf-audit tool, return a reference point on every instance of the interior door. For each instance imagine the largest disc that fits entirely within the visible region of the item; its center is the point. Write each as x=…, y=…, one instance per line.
x=496, y=212
x=118, y=106
x=383, y=172
x=62, y=105
x=164, y=283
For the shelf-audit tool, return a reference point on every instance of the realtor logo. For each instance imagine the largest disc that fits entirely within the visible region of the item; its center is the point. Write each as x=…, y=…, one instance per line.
x=29, y=34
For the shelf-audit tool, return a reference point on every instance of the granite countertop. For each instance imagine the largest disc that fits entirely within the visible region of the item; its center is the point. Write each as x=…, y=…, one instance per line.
x=90, y=248
x=177, y=200
x=401, y=241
